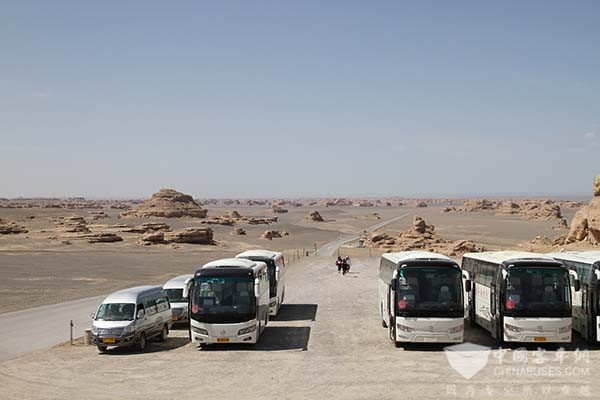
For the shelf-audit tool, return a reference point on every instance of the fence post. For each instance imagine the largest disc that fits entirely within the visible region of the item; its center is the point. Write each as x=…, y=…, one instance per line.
x=71, y=327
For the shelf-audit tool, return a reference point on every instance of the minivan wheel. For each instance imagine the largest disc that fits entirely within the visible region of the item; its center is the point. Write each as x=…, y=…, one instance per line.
x=164, y=334
x=141, y=344
x=102, y=349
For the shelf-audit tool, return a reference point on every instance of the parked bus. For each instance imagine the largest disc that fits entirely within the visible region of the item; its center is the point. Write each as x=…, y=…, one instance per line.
x=421, y=297
x=229, y=301
x=519, y=296
x=586, y=302
x=276, y=265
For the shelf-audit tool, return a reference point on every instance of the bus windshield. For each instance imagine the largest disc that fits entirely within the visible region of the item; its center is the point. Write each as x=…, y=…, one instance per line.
x=223, y=299
x=429, y=292
x=115, y=312
x=537, y=292
x=175, y=295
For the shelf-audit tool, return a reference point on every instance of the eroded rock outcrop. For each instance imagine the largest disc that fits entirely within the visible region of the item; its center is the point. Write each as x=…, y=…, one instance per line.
x=11, y=228
x=585, y=225
x=314, y=216
x=191, y=235
x=270, y=235
x=168, y=203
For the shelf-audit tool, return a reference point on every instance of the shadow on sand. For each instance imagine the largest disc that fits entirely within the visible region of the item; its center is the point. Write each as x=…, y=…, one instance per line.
x=273, y=338
x=296, y=312
x=153, y=346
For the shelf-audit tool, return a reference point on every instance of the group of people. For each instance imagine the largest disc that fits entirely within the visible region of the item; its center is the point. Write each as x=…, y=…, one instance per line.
x=343, y=264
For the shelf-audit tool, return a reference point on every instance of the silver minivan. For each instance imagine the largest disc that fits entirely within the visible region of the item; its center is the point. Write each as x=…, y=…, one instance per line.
x=174, y=290
x=131, y=317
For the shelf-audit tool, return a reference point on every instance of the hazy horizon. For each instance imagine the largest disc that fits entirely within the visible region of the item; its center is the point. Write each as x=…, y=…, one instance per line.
x=299, y=99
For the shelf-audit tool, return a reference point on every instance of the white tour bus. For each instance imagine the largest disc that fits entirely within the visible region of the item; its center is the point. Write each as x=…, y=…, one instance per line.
x=229, y=301
x=421, y=297
x=519, y=296
x=174, y=291
x=276, y=265
x=586, y=302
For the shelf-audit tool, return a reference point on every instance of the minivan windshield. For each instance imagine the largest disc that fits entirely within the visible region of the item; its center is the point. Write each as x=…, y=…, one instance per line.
x=115, y=312
x=176, y=296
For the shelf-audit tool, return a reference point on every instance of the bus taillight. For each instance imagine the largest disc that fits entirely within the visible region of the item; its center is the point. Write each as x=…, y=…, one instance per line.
x=402, y=304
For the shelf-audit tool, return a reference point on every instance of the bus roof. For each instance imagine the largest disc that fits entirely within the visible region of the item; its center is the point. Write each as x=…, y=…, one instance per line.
x=588, y=257
x=131, y=295
x=177, y=282
x=260, y=253
x=499, y=257
x=233, y=262
x=403, y=256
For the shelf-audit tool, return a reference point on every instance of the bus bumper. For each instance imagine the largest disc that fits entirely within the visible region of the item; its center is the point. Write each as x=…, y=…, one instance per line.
x=429, y=330
x=537, y=330
x=244, y=332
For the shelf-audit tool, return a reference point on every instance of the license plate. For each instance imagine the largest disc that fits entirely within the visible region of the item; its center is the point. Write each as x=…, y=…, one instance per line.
x=427, y=339
x=539, y=339
x=222, y=340
x=174, y=318
x=109, y=340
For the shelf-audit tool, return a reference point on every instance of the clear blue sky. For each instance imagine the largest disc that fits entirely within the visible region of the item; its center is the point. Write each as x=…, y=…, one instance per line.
x=285, y=98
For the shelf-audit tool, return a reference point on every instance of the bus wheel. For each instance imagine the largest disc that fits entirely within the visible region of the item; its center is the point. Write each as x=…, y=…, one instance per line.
x=141, y=344
x=393, y=335
x=102, y=349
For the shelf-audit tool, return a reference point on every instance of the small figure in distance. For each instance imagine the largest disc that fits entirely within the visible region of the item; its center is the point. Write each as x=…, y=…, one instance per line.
x=346, y=265
x=339, y=263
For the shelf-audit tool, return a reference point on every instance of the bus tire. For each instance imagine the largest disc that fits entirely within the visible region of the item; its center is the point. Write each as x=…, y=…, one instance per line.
x=383, y=324
x=102, y=349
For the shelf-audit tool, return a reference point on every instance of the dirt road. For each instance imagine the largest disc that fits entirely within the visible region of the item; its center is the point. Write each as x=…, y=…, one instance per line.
x=327, y=343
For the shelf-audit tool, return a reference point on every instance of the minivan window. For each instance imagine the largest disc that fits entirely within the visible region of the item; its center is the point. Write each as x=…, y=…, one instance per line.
x=162, y=304
x=150, y=307
x=115, y=312
x=176, y=296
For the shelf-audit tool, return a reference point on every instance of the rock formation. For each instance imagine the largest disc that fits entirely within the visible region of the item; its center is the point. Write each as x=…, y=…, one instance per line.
x=585, y=225
x=314, y=216
x=278, y=209
x=420, y=236
x=148, y=227
x=168, y=203
x=270, y=235
x=238, y=231
x=102, y=238
x=191, y=235
x=11, y=228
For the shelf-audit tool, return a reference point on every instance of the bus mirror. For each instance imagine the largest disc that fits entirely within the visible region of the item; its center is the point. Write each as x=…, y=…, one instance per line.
x=577, y=285
x=468, y=285
x=186, y=288
x=597, y=273
x=257, y=288
x=277, y=273
x=504, y=274
x=394, y=285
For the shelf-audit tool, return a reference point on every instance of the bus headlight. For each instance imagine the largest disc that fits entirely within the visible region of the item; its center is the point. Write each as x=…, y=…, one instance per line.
x=404, y=328
x=513, y=328
x=247, y=330
x=129, y=328
x=200, y=331
x=564, y=329
x=456, y=329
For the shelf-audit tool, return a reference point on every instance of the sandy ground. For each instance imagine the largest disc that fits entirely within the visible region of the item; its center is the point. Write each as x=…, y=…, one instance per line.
x=326, y=343
x=36, y=267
